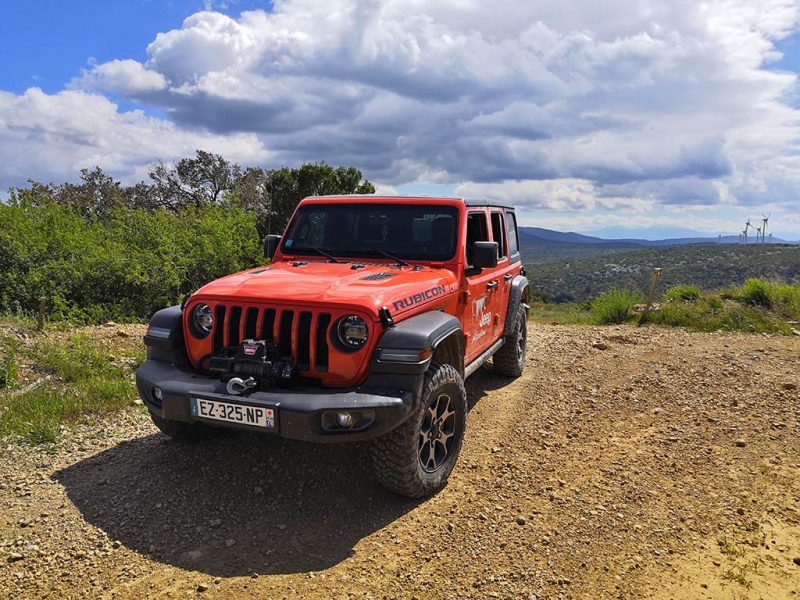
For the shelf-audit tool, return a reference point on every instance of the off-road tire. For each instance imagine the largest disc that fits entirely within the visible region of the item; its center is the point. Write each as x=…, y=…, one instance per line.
x=184, y=432
x=396, y=455
x=509, y=361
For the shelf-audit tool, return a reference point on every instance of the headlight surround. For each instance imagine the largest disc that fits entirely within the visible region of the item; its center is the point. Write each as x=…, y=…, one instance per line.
x=352, y=332
x=202, y=319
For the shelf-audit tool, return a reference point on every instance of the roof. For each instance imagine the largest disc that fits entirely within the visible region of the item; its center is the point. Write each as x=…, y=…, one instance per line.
x=466, y=201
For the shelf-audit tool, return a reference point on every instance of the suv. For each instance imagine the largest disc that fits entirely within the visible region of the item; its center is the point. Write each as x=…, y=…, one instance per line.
x=365, y=324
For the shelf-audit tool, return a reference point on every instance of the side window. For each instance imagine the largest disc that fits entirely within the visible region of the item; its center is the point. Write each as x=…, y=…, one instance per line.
x=499, y=234
x=476, y=232
x=513, y=240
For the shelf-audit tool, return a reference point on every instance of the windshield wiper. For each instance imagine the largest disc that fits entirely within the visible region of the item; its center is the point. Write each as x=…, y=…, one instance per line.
x=399, y=261
x=321, y=251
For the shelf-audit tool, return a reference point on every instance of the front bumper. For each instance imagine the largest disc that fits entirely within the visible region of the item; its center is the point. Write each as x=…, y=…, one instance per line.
x=301, y=413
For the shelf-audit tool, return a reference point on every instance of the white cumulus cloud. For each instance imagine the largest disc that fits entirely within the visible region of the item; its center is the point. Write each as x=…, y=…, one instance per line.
x=571, y=105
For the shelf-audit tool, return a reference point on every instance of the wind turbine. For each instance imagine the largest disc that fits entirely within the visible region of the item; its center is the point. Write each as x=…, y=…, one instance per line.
x=758, y=234
x=746, y=227
x=764, y=221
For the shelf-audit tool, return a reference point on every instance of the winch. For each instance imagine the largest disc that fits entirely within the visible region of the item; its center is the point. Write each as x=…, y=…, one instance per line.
x=259, y=361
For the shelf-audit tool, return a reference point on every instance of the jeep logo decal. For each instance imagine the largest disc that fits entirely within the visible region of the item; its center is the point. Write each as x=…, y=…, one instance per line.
x=417, y=298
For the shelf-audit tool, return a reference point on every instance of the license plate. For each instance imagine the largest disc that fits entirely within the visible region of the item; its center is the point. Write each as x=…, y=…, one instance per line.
x=258, y=416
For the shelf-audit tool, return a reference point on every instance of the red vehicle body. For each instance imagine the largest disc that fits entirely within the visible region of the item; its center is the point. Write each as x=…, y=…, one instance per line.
x=393, y=293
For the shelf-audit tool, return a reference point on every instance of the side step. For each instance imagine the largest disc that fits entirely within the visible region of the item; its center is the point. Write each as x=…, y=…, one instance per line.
x=476, y=364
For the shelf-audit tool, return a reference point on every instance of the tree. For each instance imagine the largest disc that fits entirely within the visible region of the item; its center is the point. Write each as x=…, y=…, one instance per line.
x=197, y=181
x=286, y=187
x=96, y=196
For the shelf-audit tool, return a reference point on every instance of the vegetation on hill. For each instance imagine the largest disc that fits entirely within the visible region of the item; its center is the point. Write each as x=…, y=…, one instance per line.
x=537, y=251
x=707, y=266
x=101, y=251
x=757, y=306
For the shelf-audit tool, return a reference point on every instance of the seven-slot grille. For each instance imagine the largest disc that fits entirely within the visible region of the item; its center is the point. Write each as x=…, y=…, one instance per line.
x=299, y=334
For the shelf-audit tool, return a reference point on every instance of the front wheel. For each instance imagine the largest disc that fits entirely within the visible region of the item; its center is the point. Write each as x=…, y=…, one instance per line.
x=416, y=459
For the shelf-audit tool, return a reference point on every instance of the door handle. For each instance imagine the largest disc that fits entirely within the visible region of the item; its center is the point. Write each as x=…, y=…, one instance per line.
x=508, y=276
x=491, y=285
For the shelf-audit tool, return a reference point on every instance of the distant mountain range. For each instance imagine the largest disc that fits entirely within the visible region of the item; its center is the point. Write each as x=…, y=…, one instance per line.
x=540, y=236
x=540, y=245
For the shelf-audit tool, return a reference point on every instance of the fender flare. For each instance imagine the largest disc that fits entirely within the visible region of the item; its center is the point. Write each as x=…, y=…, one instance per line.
x=164, y=337
x=519, y=294
x=399, y=347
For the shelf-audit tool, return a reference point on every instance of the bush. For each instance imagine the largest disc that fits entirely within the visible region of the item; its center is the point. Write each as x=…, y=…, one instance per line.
x=615, y=306
x=756, y=293
x=123, y=268
x=685, y=293
x=714, y=314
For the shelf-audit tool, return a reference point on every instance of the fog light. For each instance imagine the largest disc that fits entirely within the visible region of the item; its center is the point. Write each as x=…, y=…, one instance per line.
x=157, y=394
x=344, y=420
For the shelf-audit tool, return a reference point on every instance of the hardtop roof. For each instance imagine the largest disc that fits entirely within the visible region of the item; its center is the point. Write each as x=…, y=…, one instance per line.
x=467, y=201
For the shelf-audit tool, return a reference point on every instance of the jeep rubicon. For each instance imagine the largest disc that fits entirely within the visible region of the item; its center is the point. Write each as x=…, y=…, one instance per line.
x=364, y=325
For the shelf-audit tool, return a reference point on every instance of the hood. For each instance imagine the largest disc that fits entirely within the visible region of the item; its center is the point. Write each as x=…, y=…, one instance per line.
x=323, y=284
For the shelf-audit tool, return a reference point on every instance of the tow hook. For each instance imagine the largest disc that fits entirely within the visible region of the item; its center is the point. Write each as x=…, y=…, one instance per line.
x=237, y=385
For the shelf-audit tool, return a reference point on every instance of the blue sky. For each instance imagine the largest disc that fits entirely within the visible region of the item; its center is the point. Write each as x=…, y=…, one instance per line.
x=51, y=40
x=637, y=117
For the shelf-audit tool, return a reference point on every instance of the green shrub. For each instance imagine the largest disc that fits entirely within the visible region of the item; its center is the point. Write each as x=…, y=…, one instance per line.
x=785, y=299
x=686, y=293
x=714, y=314
x=123, y=268
x=615, y=306
x=756, y=293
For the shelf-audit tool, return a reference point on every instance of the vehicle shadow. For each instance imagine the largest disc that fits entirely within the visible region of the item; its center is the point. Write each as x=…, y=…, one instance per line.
x=241, y=503
x=236, y=505
x=482, y=382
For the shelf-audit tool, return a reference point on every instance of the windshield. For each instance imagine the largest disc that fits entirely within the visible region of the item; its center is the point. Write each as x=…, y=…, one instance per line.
x=405, y=231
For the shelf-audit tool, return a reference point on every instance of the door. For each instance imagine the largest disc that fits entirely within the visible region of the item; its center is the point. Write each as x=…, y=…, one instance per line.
x=506, y=269
x=484, y=291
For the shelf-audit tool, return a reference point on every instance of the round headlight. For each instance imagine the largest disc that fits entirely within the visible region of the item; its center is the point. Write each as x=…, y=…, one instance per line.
x=203, y=319
x=352, y=331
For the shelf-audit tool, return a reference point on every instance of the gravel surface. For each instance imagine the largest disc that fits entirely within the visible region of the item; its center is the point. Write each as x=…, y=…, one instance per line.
x=625, y=463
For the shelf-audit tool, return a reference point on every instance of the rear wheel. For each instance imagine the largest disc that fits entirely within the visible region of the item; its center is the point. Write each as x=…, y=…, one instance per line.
x=509, y=361
x=417, y=458
x=184, y=432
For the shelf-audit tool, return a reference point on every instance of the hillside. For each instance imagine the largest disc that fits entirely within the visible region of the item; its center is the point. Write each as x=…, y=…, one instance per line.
x=710, y=266
x=540, y=250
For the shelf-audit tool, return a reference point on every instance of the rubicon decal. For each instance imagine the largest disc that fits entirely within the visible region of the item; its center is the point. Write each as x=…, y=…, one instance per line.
x=417, y=298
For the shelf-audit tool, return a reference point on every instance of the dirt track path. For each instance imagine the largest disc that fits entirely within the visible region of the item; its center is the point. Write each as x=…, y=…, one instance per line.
x=624, y=463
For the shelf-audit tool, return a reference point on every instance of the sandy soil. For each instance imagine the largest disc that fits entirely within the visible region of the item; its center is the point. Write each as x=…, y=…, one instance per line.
x=625, y=463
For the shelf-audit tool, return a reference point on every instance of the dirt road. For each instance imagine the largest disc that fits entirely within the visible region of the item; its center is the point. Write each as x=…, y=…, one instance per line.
x=625, y=463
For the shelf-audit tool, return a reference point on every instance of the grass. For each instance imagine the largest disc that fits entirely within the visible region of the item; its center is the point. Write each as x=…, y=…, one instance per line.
x=739, y=574
x=9, y=365
x=84, y=382
x=560, y=314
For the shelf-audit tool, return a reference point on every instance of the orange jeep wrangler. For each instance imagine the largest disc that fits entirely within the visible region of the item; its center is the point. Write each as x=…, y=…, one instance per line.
x=365, y=324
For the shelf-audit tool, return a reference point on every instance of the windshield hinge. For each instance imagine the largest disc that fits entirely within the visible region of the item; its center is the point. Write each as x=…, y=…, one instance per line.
x=386, y=317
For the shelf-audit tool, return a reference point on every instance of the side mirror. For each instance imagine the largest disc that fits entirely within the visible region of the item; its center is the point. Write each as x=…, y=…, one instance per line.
x=484, y=255
x=271, y=243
